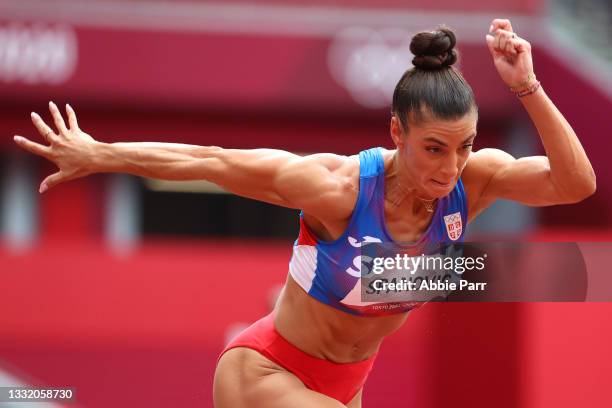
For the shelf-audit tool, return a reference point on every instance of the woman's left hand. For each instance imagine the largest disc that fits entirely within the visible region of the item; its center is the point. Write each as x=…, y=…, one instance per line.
x=511, y=53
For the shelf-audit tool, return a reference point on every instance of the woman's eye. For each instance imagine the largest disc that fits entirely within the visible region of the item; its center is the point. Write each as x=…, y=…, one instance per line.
x=468, y=146
x=433, y=149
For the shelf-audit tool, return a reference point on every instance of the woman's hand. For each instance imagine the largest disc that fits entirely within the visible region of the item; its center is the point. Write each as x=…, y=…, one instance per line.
x=511, y=53
x=71, y=149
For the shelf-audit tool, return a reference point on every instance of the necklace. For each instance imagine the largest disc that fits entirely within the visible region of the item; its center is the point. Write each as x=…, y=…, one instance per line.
x=429, y=205
x=396, y=197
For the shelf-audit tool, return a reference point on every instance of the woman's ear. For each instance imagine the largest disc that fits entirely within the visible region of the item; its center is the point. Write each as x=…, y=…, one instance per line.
x=396, y=131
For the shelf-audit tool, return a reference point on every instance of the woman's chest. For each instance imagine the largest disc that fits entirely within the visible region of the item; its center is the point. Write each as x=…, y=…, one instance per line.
x=405, y=226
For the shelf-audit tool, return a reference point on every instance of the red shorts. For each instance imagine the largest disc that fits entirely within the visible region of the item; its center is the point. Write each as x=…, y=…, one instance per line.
x=339, y=381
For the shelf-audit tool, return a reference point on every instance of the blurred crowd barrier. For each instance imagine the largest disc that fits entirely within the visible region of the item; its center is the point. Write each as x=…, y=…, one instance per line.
x=588, y=21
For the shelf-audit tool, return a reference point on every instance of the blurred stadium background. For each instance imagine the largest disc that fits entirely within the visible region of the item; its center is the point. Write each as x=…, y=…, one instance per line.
x=127, y=288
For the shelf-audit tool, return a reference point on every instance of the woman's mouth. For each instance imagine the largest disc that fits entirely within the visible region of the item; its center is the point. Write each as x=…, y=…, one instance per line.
x=441, y=184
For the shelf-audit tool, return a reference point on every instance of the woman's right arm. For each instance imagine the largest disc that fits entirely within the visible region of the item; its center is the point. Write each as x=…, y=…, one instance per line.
x=321, y=184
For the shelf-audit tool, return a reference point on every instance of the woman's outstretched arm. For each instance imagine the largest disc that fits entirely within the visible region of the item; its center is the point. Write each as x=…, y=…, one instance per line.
x=320, y=184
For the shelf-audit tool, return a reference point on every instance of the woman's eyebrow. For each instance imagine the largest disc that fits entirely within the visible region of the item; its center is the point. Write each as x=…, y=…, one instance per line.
x=440, y=142
x=473, y=135
x=433, y=139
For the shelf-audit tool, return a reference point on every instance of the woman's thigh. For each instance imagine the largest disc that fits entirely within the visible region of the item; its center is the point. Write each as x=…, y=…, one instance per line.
x=246, y=379
x=356, y=401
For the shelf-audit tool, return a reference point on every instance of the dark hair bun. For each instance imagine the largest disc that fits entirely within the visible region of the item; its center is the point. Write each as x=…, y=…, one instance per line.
x=434, y=50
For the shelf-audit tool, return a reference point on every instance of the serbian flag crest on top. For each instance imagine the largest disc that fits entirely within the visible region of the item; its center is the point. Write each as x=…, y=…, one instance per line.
x=453, y=225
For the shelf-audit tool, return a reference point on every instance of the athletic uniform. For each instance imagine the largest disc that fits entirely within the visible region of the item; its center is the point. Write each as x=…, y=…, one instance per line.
x=330, y=272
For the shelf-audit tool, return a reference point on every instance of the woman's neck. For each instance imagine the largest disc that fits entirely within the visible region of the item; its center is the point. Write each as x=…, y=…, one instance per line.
x=400, y=189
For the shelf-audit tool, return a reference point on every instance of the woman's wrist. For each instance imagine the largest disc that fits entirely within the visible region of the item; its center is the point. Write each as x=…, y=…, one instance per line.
x=539, y=92
x=102, y=158
x=528, y=86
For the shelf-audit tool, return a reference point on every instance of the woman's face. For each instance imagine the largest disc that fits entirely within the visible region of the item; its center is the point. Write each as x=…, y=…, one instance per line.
x=433, y=154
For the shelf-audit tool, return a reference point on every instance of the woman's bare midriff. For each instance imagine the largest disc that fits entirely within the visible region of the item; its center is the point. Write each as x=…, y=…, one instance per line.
x=324, y=332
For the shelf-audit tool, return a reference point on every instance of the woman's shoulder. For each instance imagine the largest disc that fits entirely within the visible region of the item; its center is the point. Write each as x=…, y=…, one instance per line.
x=386, y=156
x=482, y=164
x=479, y=169
x=386, y=153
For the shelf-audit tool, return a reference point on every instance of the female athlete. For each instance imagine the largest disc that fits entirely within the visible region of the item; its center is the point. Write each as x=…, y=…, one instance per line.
x=318, y=345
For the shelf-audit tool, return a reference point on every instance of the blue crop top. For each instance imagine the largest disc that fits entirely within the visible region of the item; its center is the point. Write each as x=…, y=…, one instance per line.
x=330, y=270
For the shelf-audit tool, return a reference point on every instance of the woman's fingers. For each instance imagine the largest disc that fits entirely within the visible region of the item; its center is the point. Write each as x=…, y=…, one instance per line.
x=501, y=42
x=51, y=181
x=57, y=118
x=490, y=40
x=32, y=147
x=72, y=119
x=511, y=47
x=505, y=42
x=502, y=39
x=44, y=130
x=501, y=23
x=64, y=150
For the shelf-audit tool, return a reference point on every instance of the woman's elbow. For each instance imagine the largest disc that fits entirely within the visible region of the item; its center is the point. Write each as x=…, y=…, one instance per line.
x=583, y=189
x=590, y=186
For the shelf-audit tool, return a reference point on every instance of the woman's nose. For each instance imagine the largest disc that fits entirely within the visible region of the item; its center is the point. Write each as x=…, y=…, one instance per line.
x=450, y=168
